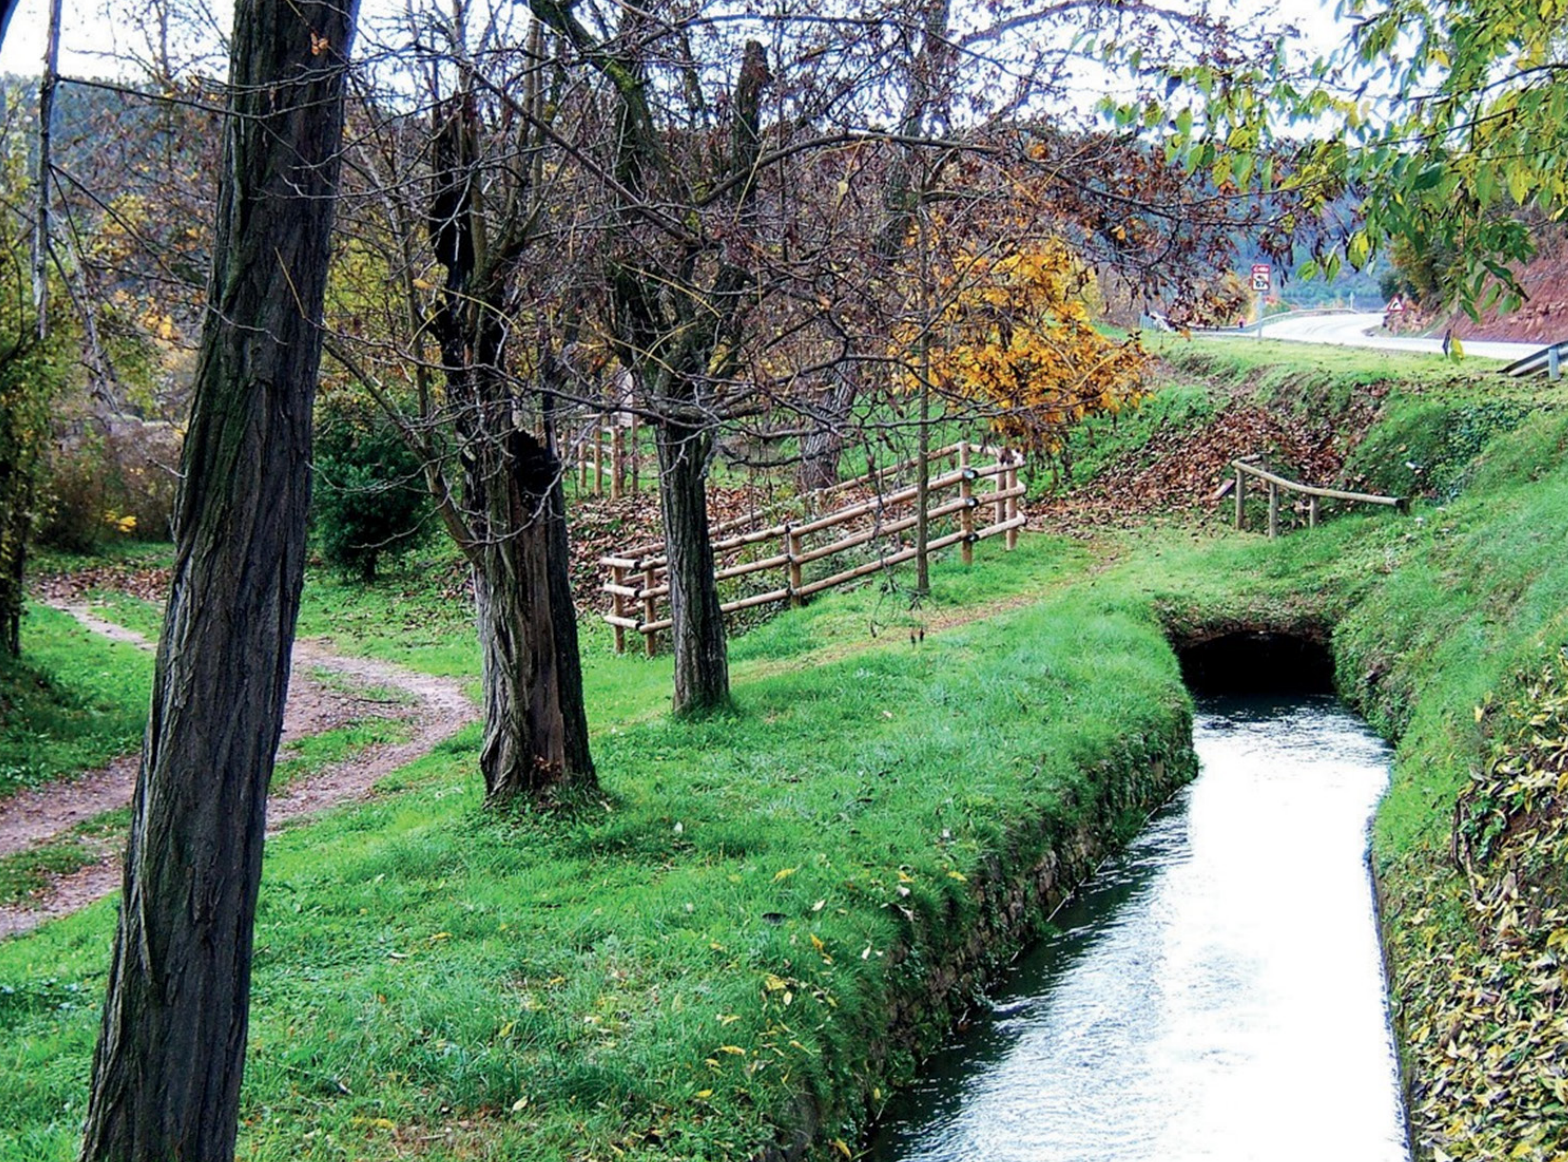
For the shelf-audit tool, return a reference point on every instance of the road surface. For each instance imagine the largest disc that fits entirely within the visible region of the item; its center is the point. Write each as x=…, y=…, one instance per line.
x=1356, y=330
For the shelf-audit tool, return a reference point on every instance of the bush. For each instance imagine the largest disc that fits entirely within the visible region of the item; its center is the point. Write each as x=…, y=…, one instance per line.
x=109, y=478
x=369, y=494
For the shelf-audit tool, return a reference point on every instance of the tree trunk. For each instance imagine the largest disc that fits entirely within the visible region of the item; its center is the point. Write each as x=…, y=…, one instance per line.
x=824, y=444
x=166, y=1075
x=568, y=655
x=18, y=467
x=536, y=734
x=536, y=727
x=702, y=668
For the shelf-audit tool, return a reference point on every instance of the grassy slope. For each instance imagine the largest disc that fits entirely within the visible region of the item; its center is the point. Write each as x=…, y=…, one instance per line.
x=664, y=969
x=625, y=976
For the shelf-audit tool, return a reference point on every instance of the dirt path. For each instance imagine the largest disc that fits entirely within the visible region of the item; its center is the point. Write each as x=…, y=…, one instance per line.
x=436, y=707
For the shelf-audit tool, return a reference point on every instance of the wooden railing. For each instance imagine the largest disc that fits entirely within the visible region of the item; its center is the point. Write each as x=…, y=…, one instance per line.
x=1276, y=484
x=639, y=586
x=609, y=449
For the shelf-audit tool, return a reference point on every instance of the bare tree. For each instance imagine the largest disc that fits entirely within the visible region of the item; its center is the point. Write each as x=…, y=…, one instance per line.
x=166, y=1074
x=456, y=205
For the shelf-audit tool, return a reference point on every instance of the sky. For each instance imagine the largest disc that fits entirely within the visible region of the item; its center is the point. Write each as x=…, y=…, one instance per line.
x=90, y=39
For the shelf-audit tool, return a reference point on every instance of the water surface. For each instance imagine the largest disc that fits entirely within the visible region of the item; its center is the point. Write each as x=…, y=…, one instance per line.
x=1217, y=991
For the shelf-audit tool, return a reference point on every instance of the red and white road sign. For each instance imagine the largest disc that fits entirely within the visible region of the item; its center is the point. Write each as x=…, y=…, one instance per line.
x=1395, y=306
x=1261, y=274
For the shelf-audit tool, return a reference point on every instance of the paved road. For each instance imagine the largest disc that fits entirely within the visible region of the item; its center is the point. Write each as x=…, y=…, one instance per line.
x=1358, y=330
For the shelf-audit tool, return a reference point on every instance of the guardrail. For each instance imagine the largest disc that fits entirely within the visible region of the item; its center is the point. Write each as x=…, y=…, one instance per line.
x=639, y=585
x=1311, y=492
x=1547, y=359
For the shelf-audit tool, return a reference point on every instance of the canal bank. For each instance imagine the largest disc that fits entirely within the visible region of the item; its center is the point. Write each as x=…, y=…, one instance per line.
x=946, y=959
x=1214, y=992
x=1448, y=634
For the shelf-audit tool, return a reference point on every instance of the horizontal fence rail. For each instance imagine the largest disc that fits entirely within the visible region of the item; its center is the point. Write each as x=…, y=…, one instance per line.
x=1277, y=484
x=638, y=579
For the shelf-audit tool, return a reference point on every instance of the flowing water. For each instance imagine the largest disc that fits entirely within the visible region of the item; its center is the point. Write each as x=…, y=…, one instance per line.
x=1215, y=993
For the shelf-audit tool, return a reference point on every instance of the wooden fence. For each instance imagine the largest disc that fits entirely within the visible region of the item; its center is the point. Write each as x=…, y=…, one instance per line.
x=639, y=585
x=609, y=453
x=1276, y=484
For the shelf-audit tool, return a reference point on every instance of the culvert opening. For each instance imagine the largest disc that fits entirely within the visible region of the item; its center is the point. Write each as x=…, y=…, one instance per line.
x=1256, y=662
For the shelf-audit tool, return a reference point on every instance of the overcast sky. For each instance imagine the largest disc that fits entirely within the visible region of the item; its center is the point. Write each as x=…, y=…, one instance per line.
x=91, y=41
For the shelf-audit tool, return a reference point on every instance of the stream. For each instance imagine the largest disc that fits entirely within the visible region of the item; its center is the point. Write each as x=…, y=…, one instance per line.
x=1215, y=992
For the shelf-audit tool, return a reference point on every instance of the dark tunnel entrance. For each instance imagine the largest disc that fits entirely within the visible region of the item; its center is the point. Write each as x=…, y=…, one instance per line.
x=1256, y=662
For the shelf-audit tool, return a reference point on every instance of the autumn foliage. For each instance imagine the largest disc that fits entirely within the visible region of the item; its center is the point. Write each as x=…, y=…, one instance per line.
x=1012, y=336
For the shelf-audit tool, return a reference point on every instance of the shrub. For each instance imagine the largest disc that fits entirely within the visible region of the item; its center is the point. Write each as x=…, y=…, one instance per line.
x=25, y=387
x=369, y=495
x=107, y=478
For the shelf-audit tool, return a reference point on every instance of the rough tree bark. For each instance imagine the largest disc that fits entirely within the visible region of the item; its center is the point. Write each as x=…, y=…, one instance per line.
x=534, y=741
x=513, y=509
x=568, y=654
x=702, y=668
x=823, y=445
x=166, y=1075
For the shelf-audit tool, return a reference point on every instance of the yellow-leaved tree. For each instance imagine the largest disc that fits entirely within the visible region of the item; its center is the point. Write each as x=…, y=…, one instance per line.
x=1012, y=335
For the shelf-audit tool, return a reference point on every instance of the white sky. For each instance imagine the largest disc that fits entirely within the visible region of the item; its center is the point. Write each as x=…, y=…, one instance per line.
x=91, y=39
x=93, y=35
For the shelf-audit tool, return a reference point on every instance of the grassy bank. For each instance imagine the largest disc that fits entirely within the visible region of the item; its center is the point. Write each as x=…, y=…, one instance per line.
x=700, y=959
x=672, y=967
x=1446, y=629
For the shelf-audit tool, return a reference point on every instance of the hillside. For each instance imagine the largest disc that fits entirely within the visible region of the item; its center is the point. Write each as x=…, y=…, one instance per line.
x=1543, y=316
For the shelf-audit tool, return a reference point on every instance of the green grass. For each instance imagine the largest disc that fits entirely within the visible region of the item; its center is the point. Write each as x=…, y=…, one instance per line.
x=644, y=970
x=73, y=702
x=31, y=871
x=26, y=872
x=304, y=757
x=402, y=617
x=1263, y=365
x=641, y=974
x=133, y=613
x=120, y=551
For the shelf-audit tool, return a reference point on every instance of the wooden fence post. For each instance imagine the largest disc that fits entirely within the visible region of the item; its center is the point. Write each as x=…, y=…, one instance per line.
x=650, y=637
x=1241, y=498
x=966, y=515
x=1012, y=501
x=636, y=455
x=999, y=485
x=618, y=606
x=792, y=549
x=1312, y=512
x=598, y=454
x=1273, y=510
x=617, y=458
